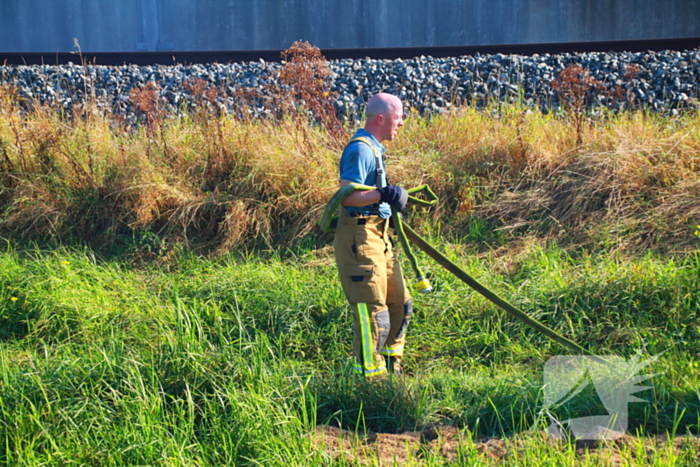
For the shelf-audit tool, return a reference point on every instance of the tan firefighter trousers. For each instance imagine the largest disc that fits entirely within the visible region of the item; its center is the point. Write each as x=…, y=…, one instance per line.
x=374, y=286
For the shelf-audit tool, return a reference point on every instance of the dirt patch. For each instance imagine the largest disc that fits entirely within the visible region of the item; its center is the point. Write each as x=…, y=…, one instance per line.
x=398, y=449
x=388, y=449
x=449, y=443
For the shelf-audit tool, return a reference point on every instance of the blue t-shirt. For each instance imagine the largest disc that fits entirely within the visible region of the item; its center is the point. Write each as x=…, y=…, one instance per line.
x=357, y=164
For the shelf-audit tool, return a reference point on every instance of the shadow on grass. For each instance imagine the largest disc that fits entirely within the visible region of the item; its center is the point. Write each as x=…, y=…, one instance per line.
x=487, y=405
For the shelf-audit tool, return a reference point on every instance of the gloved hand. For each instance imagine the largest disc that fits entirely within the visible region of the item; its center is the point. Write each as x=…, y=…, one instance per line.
x=394, y=196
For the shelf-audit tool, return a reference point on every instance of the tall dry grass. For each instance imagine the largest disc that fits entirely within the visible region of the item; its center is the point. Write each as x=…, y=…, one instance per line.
x=203, y=181
x=632, y=181
x=213, y=181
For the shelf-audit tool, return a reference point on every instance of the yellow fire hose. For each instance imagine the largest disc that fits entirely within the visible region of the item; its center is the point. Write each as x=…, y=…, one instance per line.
x=405, y=233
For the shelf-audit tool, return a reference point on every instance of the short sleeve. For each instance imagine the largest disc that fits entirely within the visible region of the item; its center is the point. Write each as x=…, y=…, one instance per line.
x=357, y=164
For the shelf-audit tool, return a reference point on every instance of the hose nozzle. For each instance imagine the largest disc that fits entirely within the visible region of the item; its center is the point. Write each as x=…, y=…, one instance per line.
x=423, y=285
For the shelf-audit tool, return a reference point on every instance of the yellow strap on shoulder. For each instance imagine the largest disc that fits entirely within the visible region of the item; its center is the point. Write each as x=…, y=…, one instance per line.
x=367, y=142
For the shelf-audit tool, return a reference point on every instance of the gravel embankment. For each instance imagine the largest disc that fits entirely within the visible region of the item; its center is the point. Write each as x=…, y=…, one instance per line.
x=664, y=81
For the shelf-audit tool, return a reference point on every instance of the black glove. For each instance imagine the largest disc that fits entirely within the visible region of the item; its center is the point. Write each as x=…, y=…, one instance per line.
x=394, y=196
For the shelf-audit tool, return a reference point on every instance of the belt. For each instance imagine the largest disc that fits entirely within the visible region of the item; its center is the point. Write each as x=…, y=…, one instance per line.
x=363, y=220
x=373, y=212
x=360, y=219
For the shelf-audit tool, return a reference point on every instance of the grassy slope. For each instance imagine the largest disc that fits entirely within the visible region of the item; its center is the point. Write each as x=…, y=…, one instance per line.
x=234, y=359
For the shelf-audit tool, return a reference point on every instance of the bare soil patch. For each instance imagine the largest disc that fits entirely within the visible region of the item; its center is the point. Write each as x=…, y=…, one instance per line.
x=398, y=449
x=411, y=447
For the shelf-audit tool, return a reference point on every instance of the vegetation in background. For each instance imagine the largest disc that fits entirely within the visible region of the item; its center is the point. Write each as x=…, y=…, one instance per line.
x=213, y=182
x=137, y=349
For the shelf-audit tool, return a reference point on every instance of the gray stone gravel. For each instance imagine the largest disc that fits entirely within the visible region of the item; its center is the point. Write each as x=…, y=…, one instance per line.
x=666, y=81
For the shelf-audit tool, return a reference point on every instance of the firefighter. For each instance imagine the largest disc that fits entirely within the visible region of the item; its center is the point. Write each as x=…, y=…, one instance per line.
x=369, y=271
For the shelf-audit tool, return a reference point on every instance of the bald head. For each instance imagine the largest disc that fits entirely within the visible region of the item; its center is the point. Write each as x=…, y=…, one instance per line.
x=384, y=116
x=381, y=103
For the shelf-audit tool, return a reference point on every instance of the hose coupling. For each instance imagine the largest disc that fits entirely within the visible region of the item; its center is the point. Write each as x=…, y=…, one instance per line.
x=423, y=285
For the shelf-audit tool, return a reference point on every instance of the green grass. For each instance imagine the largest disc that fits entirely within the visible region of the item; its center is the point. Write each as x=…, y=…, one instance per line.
x=234, y=361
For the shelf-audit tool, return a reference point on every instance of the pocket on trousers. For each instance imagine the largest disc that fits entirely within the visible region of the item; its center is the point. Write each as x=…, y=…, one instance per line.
x=360, y=284
x=368, y=248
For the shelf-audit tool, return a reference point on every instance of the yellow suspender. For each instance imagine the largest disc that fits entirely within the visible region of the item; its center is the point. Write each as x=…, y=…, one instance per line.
x=378, y=165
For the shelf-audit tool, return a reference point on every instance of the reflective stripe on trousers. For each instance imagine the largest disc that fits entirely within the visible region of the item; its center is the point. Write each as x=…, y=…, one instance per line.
x=374, y=287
